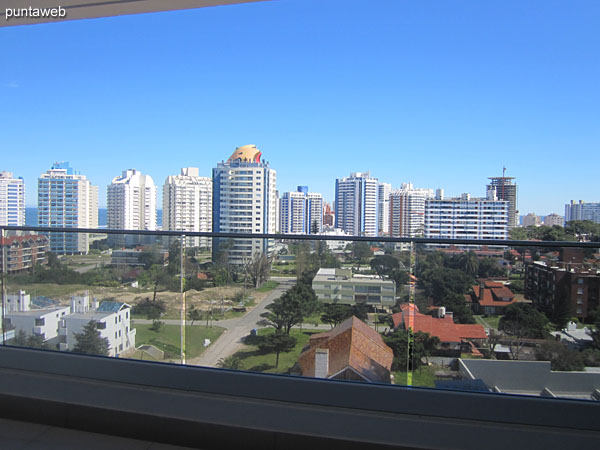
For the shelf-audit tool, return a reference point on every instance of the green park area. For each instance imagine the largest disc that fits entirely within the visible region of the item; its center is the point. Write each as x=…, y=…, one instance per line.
x=254, y=359
x=168, y=339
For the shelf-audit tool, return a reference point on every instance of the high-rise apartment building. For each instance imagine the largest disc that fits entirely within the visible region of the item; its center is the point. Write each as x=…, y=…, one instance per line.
x=131, y=202
x=554, y=219
x=244, y=201
x=531, y=220
x=12, y=200
x=407, y=210
x=383, y=208
x=506, y=190
x=67, y=199
x=356, y=204
x=187, y=204
x=466, y=218
x=582, y=211
x=328, y=215
x=301, y=212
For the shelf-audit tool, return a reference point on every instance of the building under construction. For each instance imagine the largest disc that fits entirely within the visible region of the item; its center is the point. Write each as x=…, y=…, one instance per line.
x=506, y=190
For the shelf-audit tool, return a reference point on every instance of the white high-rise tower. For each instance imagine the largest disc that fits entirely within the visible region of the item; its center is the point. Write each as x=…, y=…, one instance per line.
x=131, y=202
x=244, y=201
x=356, y=204
x=12, y=200
x=187, y=204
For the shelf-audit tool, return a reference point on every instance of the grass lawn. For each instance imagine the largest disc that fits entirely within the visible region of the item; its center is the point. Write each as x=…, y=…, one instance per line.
x=424, y=376
x=268, y=286
x=253, y=359
x=490, y=321
x=168, y=338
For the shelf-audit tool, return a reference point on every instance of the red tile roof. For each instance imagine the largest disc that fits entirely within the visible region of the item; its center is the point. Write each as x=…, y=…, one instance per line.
x=445, y=329
x=351, y=344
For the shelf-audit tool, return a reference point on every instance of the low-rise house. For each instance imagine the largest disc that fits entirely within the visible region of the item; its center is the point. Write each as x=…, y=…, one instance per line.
x=113, y=322
x=42, y=322
x=351, y=351
x=490, y=298
x=452, y=335
x=343, y=287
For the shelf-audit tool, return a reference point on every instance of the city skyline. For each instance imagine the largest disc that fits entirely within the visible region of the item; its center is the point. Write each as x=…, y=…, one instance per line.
x=438, y=95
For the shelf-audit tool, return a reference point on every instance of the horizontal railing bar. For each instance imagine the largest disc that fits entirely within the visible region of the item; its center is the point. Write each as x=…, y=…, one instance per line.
x=313, y=237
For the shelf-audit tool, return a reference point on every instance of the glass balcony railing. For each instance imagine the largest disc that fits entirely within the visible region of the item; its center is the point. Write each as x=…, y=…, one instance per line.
x=512, y=317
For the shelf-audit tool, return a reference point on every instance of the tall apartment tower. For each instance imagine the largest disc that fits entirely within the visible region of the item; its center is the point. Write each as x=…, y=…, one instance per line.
x=131, y=202
x=12, y=200
x=582, y=211
x=407, y=211
x=67, y=199
x=356, y=204
x=383, y=208
x=244, y=201
x=506, y=190
x=466, y=218
x=187, y=205
x=301, y=212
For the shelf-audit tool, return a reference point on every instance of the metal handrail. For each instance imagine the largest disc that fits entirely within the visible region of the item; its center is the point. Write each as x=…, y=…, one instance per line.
x=312, y=237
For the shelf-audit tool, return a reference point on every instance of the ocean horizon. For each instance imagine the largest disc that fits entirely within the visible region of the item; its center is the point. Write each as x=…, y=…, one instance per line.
x=31, y=217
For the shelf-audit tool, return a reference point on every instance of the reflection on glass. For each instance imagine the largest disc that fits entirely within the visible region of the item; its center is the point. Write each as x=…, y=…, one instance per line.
x=419, y=314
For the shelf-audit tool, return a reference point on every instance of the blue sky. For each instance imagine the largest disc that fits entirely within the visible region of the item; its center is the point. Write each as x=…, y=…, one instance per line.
x=439, y=93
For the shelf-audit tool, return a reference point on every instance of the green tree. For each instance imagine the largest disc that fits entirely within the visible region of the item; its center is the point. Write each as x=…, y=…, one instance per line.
x=361, y=251
x=90, y=342
x=461, y=312
x=194, y=314
x=522, y=321
x=277, y=342
x=423, y=346
x=291, y=308
x=469, y=263
x=439, y=282
x=560, y=356
x=230, y=362
x=334, y=313
x=384, y=265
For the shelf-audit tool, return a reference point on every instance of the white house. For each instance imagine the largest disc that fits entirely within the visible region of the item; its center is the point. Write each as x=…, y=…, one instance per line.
x=114, y=324
x=43, y=322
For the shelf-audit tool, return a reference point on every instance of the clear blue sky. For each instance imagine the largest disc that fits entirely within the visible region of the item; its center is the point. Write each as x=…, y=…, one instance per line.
x=439, y=93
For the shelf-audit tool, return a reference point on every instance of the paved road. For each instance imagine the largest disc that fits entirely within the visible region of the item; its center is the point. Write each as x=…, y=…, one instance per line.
x=230, y=341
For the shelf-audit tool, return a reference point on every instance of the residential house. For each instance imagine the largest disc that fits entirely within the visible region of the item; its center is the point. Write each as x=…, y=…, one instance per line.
x=490, y=298
x=351, y=351
x=452, y=336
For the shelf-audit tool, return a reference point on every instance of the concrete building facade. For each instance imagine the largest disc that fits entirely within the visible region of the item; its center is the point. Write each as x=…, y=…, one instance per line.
x=67, y=199
x=356, y=201
x=244, y=201
x=341, y=286
x=131, y=202
x=505, y=189
x=301, y=212
x=383, y=208
x=582, y=211
x=113, y=321
x=531, y=220
x=187, y=205
x=407, y=211
x=466, y=218
x=12, y=200
x=554, y=219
